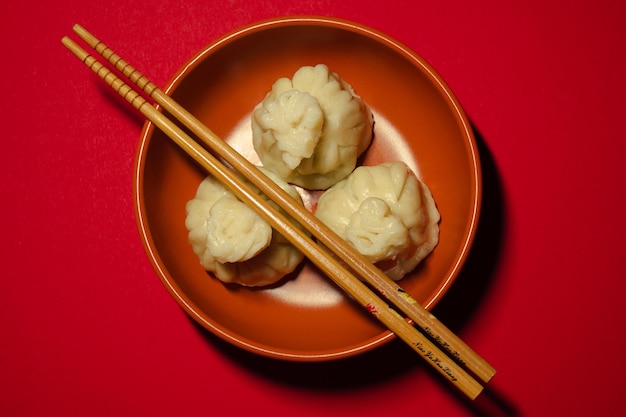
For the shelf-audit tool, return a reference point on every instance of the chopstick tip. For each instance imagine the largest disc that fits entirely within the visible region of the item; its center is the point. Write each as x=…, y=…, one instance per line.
x=84, y=34
x=74, y=48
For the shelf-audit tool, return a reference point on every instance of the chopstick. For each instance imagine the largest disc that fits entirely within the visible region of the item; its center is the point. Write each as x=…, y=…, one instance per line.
x=391, y=290
x=325, y=261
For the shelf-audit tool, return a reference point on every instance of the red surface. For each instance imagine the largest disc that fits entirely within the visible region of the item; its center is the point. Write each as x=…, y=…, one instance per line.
x=88, y=329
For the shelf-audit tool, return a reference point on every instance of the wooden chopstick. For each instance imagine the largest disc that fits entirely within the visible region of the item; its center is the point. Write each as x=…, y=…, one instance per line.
x=450, y=342
x=321, y=257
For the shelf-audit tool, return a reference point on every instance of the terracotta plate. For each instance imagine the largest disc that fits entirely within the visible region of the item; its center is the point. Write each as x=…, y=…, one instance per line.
x=418, y=120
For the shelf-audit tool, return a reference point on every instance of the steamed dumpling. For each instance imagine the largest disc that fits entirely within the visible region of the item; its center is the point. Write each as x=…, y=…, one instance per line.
x=235, y=243
x=310, y=130
x=386, y=214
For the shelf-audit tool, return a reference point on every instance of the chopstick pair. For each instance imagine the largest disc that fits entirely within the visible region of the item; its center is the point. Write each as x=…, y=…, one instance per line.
x=449, y=363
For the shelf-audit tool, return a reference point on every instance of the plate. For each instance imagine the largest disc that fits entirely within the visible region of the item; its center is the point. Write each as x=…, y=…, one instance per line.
x=417, y=120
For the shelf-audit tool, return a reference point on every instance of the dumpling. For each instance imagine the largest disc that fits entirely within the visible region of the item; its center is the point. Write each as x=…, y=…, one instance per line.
x=386, y=214
x=235, y=243
x=311, y=129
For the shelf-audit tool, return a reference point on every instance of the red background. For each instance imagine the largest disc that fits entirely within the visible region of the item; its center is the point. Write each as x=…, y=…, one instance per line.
x=87, y=329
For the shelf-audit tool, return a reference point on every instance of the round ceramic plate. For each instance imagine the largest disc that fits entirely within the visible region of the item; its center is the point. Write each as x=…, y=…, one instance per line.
x=417, y=120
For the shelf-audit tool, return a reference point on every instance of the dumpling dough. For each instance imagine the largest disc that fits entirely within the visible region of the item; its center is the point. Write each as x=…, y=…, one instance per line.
x=235, y=243
x=386, y=214
x=310, y=130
